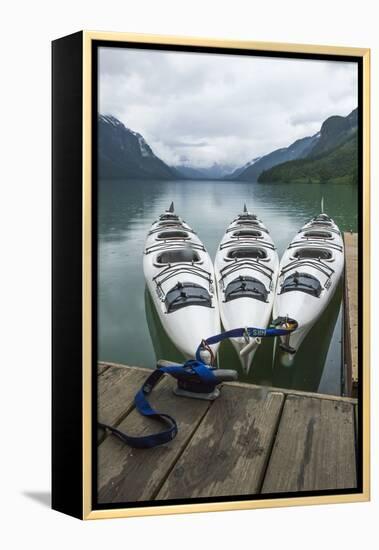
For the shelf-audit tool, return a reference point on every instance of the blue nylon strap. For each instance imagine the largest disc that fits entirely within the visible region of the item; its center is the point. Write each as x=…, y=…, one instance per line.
x=239, y=333
x=188, y=370
x=205, y=373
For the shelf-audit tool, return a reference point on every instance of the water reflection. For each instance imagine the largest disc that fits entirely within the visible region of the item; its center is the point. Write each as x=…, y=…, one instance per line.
x=308, y=366
x=163, y=346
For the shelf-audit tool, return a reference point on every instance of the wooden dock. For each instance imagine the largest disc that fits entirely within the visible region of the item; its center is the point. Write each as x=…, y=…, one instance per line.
x=351, y=313
x=251, y=440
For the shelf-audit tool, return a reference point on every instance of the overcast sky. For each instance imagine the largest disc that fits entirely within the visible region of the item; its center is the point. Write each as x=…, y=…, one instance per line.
x=198, y=109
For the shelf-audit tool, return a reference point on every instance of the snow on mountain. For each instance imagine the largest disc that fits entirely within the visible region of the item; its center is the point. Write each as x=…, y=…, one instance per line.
x=124, y=153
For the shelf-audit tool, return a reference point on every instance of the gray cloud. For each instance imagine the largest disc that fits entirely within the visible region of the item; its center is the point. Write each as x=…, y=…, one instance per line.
x=187, y=143
x=216, y=108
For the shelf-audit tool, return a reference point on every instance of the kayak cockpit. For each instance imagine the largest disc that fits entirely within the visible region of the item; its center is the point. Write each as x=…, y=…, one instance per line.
x=251, y=252
x=187, y=294
x=313, y=253
x=245, y=286
x=169, y=223
x=318, y=234
x=180, y=255
x=247, y=233
x=302, y=282
x=175, y=234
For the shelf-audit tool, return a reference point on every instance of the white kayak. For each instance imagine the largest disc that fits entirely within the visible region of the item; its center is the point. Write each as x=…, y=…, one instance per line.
x=246, y=270
x=309, y=273
x=180, y=278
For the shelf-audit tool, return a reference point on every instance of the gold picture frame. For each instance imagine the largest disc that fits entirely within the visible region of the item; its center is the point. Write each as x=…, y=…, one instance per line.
x=85, y=509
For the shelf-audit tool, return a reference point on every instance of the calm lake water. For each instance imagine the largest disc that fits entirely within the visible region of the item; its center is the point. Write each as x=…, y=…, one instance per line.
x=129, y=330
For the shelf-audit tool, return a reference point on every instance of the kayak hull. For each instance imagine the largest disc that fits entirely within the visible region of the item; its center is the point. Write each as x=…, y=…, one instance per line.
x=309, y=274
x=246, y=269
x=176, y=264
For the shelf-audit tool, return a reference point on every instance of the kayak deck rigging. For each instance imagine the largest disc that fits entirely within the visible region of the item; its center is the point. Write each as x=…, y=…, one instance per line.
x=172, y=271
x=172, y=227
x=320, y=225
x=229, y=244
x=247, y=225
x=164, y=245
x=318, y=242
x=315, y=264
x=254, y=265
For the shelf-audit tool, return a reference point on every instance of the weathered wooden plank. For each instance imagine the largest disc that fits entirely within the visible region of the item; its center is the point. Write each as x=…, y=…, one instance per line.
x=128, y=475
x=289, y=391
x=314, y=448
x=122, y=366
x=351, y=304
x=228, y=453
x=116, y=390
x=101, y=367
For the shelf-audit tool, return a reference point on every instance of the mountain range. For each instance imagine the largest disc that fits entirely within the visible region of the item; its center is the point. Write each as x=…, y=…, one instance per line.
x=214, y=172
x=252, y=170
x=329, y=155
x=333, y=157
x=333, y=132
x=123, y=153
